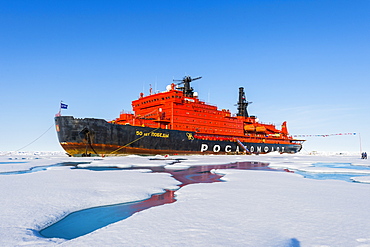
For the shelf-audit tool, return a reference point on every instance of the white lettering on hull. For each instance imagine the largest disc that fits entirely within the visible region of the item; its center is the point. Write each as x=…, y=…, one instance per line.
x=228, y=148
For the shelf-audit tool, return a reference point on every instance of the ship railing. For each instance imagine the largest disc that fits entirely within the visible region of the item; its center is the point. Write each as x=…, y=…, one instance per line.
x=262, y=138
x=125, y=112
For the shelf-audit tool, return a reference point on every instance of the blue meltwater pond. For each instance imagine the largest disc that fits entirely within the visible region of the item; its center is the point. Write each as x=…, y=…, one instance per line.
x=357, y=171
x=88, y=220
x=85, y=221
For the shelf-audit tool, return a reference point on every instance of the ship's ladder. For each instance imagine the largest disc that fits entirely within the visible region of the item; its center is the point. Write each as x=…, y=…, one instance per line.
x=243, y=146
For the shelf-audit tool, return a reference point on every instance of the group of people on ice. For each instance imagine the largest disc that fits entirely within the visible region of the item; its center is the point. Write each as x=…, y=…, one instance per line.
x=364, y=155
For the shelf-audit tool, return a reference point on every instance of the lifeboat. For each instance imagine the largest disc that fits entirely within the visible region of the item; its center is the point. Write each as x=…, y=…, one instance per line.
x=249, y=128
x=260, y=129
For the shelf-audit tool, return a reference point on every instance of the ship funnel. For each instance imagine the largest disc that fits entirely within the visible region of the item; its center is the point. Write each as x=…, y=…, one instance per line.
x=242, y=104
x=284, y=129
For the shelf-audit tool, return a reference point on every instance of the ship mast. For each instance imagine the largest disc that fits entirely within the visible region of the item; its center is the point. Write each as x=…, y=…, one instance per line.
x=187, y=89
x=242, y=104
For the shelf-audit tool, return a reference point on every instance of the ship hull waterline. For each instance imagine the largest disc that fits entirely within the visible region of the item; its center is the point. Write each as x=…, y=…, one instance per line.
x=90, y=136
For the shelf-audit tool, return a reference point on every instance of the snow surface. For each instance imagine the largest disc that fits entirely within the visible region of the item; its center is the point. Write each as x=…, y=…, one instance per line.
x=252, y=208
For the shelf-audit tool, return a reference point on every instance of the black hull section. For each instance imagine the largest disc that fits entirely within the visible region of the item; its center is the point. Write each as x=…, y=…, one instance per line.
x=97, y=136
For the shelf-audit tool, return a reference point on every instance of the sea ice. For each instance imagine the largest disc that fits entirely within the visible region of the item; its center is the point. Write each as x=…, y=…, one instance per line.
x=252, y=208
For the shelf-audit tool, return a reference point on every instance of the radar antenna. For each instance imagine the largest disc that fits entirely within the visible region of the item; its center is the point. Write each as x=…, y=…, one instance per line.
x=187, y=89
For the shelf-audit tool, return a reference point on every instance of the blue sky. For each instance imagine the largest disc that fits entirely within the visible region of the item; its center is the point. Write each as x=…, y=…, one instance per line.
x=306, y=62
